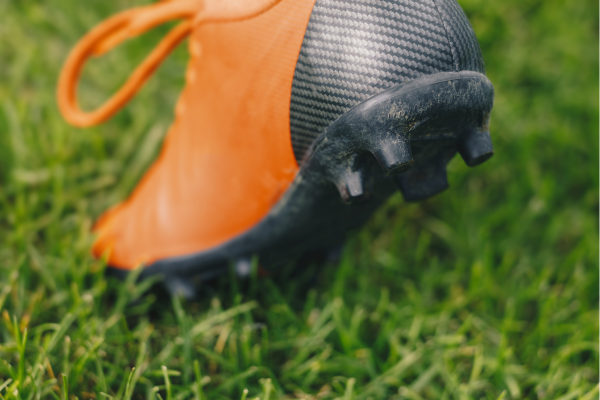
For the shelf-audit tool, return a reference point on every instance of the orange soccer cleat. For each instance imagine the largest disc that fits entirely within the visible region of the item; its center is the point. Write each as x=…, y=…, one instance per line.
x=299, y=118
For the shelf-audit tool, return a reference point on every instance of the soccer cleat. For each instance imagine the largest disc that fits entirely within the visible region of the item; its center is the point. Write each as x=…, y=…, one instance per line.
x=299, y=118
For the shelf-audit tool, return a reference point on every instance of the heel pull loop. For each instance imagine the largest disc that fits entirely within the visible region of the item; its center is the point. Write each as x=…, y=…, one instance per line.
x=131, y=23
x=109, y=34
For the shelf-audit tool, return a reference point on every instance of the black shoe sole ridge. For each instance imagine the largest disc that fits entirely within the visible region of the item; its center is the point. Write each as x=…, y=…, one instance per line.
x=401, y=139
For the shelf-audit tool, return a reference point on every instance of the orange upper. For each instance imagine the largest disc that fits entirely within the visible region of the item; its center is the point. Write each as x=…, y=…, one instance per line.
x=228, y=157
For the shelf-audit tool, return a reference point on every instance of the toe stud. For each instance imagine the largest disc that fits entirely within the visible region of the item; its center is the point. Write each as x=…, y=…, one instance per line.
x=422, y=183
x=394, y=158
x=351, y=187
x=475, y=147
x=243, y=267
x=180, y=287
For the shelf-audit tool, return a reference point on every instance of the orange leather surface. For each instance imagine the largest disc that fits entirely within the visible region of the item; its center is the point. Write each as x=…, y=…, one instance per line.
x=228, y=157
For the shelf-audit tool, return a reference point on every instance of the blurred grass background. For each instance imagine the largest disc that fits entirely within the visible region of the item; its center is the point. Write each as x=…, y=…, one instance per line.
x=489, y=290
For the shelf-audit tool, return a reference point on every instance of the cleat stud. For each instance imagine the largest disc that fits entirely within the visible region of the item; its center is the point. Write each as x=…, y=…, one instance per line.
x=243, y=267
x=421, y=183
x=394, y=158
x=475, y=147
x=351, y=187
x=180, y=286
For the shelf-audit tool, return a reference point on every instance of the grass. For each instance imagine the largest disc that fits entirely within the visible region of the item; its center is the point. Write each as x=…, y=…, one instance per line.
x=489, y=290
